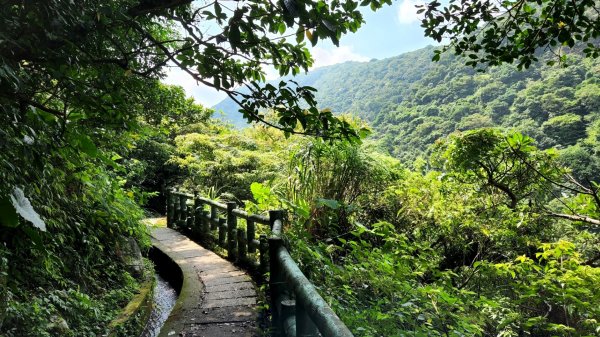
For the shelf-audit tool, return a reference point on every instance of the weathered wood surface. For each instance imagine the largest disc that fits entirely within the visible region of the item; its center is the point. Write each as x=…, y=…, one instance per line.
x=216, y=299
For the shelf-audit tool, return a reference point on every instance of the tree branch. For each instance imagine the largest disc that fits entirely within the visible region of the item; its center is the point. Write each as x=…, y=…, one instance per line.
x=575, y=217
x=149, y=6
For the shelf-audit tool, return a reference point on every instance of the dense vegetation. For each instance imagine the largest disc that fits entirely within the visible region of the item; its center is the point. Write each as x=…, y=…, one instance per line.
x=411, y=102
x=84, y=121
x=485, y=232
x=475, y=230
x=490, y=236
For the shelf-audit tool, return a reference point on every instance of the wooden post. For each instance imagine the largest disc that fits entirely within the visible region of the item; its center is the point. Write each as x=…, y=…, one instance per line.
x=170, y=209
x=241, y=244
x=222, y=232
x=205, y=224
x=263, y=249
x=304, y=325
x=214, y=217
x=276, y=283
x=250, y=226
x=231, y=225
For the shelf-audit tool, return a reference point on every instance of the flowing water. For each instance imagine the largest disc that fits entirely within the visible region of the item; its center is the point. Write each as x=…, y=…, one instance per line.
x=164, y=300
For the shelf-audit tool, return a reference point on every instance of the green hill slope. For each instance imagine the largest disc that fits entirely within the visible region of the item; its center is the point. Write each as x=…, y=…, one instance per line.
x=411, y=101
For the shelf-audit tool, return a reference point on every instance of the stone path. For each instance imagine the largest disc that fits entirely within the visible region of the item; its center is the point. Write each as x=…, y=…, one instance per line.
x=216, y=299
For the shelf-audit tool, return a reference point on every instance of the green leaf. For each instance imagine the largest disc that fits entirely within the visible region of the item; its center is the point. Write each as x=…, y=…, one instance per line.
x=330, y=203
x=300, y=35
x=87, y=146
x=8, y=214
x=234, y=35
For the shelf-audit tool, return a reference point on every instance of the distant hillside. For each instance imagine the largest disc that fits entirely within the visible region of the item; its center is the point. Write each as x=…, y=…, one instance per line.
x=411, y=101
x=227, y=109
x=347, y=86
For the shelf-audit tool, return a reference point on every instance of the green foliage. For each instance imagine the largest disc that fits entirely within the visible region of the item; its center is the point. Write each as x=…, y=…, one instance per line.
x=445, y=253
x=493, y=33
x=459, y=246
x=376, y=288
x=507, y=164
x=73, y=89
x=565, y=129
x=411, y=102
x=328, y=183
x=87, y=131
x=584, y=160
x=215, y=158
x=551, y=292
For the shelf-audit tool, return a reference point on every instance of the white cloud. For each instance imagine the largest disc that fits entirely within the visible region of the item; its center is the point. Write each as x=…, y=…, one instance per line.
x=407, y=12
x=208, y=96
x=203, y=94
x=325, y=57
x=270, y=73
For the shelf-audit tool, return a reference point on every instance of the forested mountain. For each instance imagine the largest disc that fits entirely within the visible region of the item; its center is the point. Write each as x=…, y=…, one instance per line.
x=411, y=102
x=488, y=236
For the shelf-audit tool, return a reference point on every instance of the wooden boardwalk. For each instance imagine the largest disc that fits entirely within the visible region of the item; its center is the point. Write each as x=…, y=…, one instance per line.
x=216, y=300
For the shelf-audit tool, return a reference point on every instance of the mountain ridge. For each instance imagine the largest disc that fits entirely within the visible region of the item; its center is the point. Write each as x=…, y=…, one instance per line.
x=411, y=101
x=230, y=109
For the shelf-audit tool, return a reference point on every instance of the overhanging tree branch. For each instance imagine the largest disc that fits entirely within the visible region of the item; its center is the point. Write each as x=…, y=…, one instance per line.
x=574, y=217
x=149, y=6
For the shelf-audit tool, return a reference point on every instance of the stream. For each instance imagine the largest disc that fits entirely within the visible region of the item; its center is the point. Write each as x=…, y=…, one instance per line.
x=163, y=301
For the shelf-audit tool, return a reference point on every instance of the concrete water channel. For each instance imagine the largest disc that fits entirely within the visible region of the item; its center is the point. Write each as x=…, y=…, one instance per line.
x=163, y=300
x=216, y=299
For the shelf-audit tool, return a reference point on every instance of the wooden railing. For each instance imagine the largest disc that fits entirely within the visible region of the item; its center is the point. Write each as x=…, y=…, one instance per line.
x=217, y=223
x=296, y=307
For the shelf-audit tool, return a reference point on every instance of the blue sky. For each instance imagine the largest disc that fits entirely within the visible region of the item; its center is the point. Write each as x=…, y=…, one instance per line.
x=390, y=31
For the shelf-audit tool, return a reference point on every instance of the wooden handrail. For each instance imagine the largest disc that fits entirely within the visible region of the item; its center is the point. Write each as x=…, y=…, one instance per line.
x=297, y=308
x=311, y=312
x=219, y=225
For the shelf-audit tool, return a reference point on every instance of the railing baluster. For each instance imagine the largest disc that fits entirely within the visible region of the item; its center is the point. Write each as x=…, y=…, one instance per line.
x=214, y=217
x=288, y=317
x=182, y=208
x=241, y=244
x=231, y=225
x=205, y=224
x=250, y=227
x=197, y=202
x=182, y=213
x=189, y=220
x=169, y=209
x=222, y=232
x=304, y=325
x=263, y=249
x=232, y=253
x=276, y=283
x=175, y=210
x=197, y=220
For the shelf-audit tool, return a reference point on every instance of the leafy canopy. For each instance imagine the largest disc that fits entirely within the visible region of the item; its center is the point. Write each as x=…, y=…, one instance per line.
x=494, y=32
x=94, y=53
